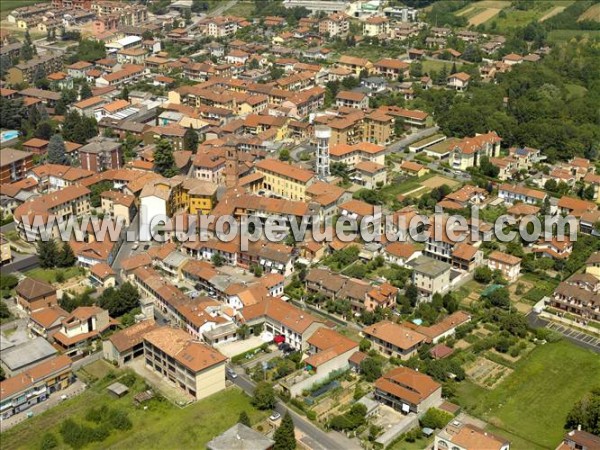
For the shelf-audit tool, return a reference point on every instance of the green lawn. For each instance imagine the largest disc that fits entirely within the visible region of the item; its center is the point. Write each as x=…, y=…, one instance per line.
x=390, y=191
x=532, y=403
x=242, y=9
x=435, y=65
x=419, y=444
x=7, y=6
x=49, y=275
x=162, y=425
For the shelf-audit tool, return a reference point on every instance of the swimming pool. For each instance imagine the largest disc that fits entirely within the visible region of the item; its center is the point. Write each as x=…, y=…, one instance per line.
x=8, y=135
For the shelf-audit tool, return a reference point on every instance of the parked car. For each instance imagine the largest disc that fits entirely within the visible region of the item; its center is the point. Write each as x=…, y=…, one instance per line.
x=275, y=416
x=231, y=373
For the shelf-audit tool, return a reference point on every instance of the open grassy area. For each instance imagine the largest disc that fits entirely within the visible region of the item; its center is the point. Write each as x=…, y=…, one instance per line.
x=6, y=6
x=558, y=36
x=533, y=401
x=242, y=9
x=390, y=191
x=49, y=275
x=436, y=65
x=512, y=17
x=161, y=425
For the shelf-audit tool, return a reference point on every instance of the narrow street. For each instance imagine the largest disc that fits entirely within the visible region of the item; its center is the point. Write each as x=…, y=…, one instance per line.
x=314, y=437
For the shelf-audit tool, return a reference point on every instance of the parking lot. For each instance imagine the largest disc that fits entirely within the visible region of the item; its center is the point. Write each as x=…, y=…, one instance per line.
x=575, y=334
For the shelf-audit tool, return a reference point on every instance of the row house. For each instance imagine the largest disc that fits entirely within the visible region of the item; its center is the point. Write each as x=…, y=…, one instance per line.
x=27, y=71
x=129, y=73
x=583, y=302
x=513, y=193
x=391, y=68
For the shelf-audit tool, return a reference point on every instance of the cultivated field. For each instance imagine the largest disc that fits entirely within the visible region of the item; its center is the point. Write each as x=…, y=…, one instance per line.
x=486, y=373
x=483, y=16
x=533, y=401
x=481, y=12
x=552, y=13
x=592, y=13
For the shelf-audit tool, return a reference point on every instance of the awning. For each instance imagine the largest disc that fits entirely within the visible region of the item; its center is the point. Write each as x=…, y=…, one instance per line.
x=279, y=339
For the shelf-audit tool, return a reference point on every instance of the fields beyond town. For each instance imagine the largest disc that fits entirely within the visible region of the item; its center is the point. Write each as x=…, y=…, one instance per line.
x=161, y=425
x=7, y=6
x=532, y=403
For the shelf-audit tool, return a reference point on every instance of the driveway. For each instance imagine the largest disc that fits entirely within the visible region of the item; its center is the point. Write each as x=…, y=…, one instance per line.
x=411, y=138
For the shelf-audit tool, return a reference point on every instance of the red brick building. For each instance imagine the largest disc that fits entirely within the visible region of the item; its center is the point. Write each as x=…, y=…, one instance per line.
x=101, y=154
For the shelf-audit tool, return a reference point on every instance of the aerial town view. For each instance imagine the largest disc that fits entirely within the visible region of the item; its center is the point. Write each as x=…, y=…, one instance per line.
x=300, y=224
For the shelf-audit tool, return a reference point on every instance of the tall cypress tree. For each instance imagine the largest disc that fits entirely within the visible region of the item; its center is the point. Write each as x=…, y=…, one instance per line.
x=284, y=435
x=57, y=150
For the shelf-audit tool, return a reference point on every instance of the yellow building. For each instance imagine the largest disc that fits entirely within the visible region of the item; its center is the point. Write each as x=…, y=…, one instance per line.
x=200, y=196
x=284, y=179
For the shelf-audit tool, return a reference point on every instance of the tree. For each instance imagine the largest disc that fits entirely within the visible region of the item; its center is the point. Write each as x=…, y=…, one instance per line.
x=57, y=150
x=163, y=159
x=217, y=260
x=120, y=301
x=264, y=396
x=364, y=345
x=483, y=274
x=351, y=420
x=284, y=155
x=284, y=436
x=67, y=96
x=435, y=419
x=44, y=131
x=67, y=257
x=586, y=412
x=499, y=298
x=416, y=69
x=371, y=368
x=48, y=442
x=190, y=140
x=28, y=50
x=85, y=91
x=244, y=419
x=47, y=253
x=125, y=93
x=412, y=293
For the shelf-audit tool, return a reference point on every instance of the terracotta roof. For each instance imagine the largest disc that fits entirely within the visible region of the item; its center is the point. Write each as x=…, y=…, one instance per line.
x=102, y=270
x=330, y=344
x=474, y=438
x=179, y=345
x=449, y=322
x=411, y=166
x=46, y=317
x=131, y=336
x=397, y=335
x=31, y=289
x=284, y=169
x=407, y=384
x=27, y=379
x=350, y=96
x=504, y=258
x=288, y=315
x=401, y=249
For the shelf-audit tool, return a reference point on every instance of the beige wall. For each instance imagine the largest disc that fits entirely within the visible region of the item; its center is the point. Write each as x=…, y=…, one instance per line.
x=210, y=381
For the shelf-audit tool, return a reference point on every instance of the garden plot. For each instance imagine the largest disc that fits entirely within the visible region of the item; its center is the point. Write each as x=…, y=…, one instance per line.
x=486, y=373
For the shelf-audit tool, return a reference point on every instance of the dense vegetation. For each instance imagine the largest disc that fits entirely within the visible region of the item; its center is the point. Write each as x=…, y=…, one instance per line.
x=532, y=105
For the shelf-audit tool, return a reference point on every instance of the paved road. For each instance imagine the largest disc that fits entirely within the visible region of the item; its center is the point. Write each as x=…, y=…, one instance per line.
x=21, y=263
x=576, y=337
x=414, y=137
x=8, y=227
x=127, y=246
x=314, y=436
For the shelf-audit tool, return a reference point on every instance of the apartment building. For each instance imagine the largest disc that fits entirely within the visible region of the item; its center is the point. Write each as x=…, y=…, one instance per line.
x=118, y=206
x=101, y=154
x=508, y=265
x=356, y=65
x=26, y=71
x=221, y=27
x=162, y=196
x=284, y=179
x=430, y=276
x=14, y=165
x=192, y=366
x=351, y=155
x=125, y=345
x=336, y=24
x=352, y=99
x=391, y=339
x=283, y=319
x=468, y=151
x=35, y=385
x=376, y=26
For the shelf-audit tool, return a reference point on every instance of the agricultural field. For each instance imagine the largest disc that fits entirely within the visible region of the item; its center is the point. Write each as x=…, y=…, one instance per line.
x=559, y=36
x=505, y=17
x=592, y=13
x=532, y=402
x=7, y=6
x=435, y=65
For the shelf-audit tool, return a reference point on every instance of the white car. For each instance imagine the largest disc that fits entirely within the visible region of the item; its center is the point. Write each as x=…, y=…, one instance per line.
x=275, y=416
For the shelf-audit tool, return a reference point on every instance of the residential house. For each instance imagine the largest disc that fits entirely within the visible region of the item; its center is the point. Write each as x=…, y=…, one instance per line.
x=408, y=391
x=82, y=326
x=33, y=295
x=508, y=265
x=392, y=339
x=468, y=151
x=430, y=276
x=465, y=436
